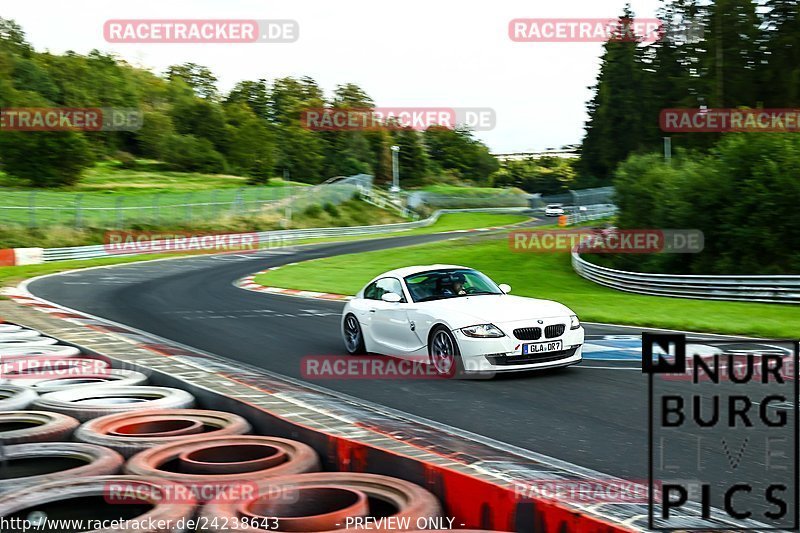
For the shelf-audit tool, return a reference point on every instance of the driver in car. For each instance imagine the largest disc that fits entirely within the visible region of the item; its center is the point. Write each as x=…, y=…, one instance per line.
x=457, y=281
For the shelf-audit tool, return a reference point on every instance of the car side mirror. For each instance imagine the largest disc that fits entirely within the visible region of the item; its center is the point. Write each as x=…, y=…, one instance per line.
x=505, y=288
x=391, y=297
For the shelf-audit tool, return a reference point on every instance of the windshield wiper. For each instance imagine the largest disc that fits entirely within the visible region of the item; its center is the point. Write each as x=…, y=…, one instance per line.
x=431, y=298
x=479, y=292
x=440, y=297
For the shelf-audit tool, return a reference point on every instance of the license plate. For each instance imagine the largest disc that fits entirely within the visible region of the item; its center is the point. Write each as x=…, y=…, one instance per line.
x=541, y=347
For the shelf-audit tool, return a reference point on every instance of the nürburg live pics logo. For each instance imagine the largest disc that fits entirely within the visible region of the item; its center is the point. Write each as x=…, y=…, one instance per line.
x=723, y=434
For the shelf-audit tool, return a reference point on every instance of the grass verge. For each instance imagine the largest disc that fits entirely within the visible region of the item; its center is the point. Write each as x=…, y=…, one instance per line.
x=548, y=276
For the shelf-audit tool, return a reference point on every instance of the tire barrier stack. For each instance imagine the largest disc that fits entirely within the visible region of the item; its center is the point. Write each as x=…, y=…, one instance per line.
x=82, y=440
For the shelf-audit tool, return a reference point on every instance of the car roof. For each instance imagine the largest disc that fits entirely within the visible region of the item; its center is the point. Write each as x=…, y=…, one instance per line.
x=409, y=270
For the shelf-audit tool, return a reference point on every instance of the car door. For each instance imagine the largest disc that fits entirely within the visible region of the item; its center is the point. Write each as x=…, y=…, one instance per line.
x=389, y=321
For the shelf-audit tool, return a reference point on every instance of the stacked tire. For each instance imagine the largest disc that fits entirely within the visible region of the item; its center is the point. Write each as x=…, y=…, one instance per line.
x=79, y=439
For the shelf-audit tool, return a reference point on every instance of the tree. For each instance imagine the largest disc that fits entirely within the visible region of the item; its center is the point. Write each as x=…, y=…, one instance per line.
x=251, y=149
x=721, y=194
x=380, y=142
x=45, y=158
x=199, y=78
x=412, y=159
x=12, y=38
x=199, y=117
x=546, y=175
x=255, y=94
x=291, y=96
x=614, y=128
x=781, y=54
x=456, y=150
x=301, y=151
x=193, y=154
x=153, y=137
x=301, y=154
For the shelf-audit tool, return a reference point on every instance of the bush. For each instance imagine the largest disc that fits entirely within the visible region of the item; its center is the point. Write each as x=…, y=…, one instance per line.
x=313, y=210
x=189, y=153
x=743, y=197
x=331, y=209
x=126, y=160
x=45, y=158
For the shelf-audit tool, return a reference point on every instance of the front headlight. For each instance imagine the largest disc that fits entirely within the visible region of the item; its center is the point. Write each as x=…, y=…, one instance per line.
x=574, y=323
x=483, y=331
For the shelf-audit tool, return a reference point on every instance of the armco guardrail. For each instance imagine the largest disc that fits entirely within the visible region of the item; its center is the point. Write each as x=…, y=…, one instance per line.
x=591, y=212
x=771, y=289
x=275, y=236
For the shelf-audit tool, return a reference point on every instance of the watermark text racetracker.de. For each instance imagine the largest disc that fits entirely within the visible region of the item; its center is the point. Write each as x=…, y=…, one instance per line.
x=611, y=241
x=395, y=118
x=583, y=491
x=130, y=492
x=584, y=30
x=42, y=523
x=718, y=120
x=324, y=367
x=153, y=242
x=199, y=31
x=51, y=368
x=70, y=119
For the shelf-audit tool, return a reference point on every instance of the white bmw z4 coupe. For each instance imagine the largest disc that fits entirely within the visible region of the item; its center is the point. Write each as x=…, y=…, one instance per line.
x=458, y=320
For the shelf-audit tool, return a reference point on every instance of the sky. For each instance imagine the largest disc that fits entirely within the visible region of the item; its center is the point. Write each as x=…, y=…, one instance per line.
x=414, y=53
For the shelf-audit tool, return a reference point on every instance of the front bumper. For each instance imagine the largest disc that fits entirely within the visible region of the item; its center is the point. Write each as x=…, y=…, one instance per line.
x=504, y=354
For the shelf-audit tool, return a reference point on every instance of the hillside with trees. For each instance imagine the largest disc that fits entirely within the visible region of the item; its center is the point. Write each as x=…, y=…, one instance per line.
x=741, y=189
x=723, y=54
x=254, y=130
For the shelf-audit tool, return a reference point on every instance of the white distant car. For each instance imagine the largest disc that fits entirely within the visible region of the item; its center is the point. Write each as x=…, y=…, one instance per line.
x=459, y=320
x=554, y=210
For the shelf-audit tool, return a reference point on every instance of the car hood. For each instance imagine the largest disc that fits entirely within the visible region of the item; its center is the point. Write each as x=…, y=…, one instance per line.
x=481, y=309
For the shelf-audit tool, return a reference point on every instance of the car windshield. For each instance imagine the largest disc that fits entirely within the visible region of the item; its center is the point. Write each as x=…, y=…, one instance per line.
x=449, y=283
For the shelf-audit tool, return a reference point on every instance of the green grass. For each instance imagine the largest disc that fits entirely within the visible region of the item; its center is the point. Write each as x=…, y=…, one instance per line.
x=548, y=276
x=457, y=221
x=455, y=190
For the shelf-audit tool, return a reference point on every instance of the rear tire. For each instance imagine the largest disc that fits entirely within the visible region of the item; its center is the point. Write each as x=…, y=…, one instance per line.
x=353, y=336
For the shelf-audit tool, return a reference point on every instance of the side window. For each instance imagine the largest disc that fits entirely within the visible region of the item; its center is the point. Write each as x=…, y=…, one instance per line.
x=375, y=290
x=372, y=292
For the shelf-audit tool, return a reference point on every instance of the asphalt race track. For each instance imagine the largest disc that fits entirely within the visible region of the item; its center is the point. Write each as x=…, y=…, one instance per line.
x=593, y=414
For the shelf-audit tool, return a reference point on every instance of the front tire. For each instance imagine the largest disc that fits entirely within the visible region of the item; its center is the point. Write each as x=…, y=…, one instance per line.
x=444, y=354
x=353, y=336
